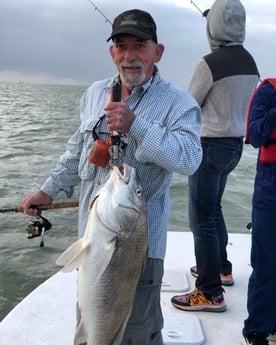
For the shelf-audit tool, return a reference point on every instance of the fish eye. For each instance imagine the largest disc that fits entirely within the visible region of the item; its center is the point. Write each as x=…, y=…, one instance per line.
x=138, y=192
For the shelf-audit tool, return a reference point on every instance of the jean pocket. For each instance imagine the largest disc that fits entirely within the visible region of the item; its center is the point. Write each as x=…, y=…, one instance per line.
x=223, y=158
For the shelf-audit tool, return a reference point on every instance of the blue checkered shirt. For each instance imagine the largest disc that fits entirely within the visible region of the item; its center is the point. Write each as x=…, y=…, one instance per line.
x=164, y=138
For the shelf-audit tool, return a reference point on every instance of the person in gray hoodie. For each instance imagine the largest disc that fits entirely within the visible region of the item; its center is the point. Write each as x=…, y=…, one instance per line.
x=222, y=84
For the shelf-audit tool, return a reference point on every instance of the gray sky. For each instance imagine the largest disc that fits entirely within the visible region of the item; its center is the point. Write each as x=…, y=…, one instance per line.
x=64, y=41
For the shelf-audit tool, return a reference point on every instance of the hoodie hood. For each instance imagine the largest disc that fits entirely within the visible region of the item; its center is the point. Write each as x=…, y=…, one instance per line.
x=226, y=24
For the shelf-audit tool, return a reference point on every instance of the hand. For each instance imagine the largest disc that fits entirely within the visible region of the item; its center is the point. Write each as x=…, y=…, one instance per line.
x=119, y=117
x=36, y=198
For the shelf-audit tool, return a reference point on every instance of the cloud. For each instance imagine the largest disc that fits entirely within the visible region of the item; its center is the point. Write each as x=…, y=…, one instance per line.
x=49, y=39
x=65, y=41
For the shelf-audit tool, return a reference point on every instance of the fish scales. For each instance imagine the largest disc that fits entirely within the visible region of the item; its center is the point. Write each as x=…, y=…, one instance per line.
x=110, y=257
x=117, y=286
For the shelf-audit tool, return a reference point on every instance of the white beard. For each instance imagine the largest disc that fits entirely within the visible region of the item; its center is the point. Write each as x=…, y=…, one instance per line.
x=130, y=79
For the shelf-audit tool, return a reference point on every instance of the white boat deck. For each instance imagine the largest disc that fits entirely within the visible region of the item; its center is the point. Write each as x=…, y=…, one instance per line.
x=47, y=315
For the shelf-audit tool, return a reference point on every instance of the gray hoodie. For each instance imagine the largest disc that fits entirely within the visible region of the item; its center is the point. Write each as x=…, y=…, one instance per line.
x=223, y=81
x=226, y=24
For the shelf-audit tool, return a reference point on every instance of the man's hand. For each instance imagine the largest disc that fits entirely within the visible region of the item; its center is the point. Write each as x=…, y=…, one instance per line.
x=36, y=198
x=119, y=117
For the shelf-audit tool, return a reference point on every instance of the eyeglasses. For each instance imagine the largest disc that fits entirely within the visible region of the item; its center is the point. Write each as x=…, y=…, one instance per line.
x=97, y=125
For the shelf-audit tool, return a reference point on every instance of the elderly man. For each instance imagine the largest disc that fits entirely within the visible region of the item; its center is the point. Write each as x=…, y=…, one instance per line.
x=158, y=125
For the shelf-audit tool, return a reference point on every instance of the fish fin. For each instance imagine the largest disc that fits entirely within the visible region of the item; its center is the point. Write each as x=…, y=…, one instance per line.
x=104, y=258
x=80, y=334
x=73, y=256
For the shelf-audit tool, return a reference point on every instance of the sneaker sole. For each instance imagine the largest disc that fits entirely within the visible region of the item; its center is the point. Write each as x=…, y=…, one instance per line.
x=272, y=338
x=209, y=308
x=244, y=342
x=223, y=282
x=227, y=282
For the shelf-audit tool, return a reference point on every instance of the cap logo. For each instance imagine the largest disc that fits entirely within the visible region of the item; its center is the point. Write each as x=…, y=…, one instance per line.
x=129, y=20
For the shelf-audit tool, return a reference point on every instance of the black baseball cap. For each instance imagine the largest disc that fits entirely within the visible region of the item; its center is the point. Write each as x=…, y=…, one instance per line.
x=134, y=22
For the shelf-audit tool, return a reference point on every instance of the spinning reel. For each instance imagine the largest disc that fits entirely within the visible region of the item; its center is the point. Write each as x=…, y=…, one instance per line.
x=37, y=228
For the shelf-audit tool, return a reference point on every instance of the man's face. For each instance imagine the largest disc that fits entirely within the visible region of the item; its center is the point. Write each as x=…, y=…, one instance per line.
x=135, y=58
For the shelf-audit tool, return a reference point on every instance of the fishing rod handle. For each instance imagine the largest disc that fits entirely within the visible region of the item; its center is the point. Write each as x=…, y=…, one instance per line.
x=53, y=206
x=116, y=138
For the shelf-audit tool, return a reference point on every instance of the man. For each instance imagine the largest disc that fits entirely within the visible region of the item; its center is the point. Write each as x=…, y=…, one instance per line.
x=222, y=84
x=159, y=127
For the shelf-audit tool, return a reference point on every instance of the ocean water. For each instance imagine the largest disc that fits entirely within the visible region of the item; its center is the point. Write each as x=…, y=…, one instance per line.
x=35, y=124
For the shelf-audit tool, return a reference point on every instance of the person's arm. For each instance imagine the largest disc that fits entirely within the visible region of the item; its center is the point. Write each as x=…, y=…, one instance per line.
x=62, y=178
x=173, y=144
x=65, y=175
x=262, y=116
x=201, y=82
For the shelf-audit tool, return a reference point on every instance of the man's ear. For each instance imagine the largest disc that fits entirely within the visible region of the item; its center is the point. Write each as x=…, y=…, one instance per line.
x=111, y=50
x=159, y=51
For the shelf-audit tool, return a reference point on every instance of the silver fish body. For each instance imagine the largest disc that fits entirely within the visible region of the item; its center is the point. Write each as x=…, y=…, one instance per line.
x=110, y=259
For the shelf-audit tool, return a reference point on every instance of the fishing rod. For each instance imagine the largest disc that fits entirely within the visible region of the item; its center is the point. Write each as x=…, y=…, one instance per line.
x=38, y=227
x=98, y=9
x=116, y=97
x=193, y=3
x=108, y=21
x=53, y=206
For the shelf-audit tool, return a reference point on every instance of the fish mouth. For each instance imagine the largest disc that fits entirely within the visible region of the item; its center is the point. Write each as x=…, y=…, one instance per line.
x=123, y=171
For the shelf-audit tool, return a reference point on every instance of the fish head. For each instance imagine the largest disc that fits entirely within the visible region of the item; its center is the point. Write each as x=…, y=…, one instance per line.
x=121, y=200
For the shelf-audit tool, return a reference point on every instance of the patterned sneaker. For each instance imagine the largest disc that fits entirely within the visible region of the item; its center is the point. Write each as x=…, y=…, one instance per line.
x=255, y=339
x=197, y=301
x=226, y=279
x=272, y=338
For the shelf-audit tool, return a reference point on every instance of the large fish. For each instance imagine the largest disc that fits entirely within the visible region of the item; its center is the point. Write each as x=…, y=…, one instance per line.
x=110, y=258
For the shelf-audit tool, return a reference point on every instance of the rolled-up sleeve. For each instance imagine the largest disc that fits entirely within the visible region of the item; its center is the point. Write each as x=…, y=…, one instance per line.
x=65, y=174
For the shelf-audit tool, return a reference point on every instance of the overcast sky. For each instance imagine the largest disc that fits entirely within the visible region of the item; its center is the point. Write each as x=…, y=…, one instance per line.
x=64, y=41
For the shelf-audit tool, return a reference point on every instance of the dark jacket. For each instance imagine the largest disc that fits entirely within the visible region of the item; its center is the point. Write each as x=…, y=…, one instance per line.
x=262, y=123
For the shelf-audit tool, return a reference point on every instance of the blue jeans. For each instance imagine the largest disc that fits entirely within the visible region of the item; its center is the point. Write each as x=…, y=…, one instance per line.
x=261, y=301
x=206, y=187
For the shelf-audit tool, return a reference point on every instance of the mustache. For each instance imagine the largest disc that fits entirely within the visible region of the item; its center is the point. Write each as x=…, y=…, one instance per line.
x=131, y=64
